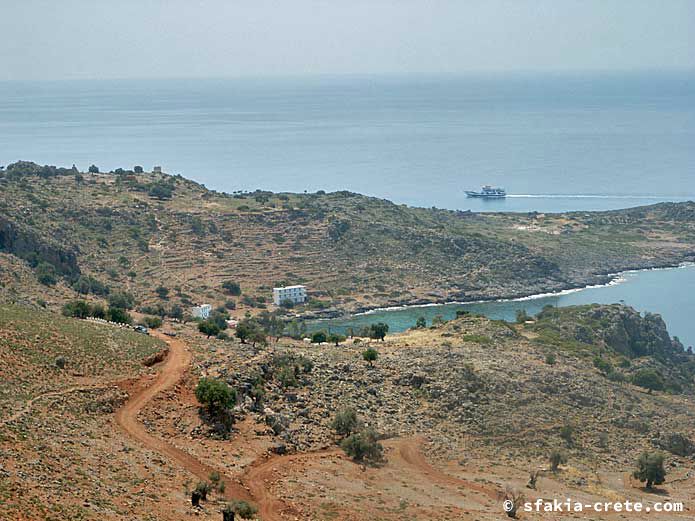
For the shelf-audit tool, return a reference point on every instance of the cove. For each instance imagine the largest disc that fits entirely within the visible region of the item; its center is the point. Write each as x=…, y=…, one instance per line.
x=669, y=292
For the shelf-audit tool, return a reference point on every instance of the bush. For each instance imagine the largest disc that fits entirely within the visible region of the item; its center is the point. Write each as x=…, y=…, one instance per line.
x=119, y=315
x=122, y=300
x=287, y=304
x=162, y=292
x=335, y=338
x=318, y=337
x=363, y=446
x=230, y=304
x=86, y=284
x=232, y=288
x=557, y=458
x=240, y=508
x=77, y=309
x=421, y=323
x=215, y=395
x=567, y=433
x=46, y=274
x=378, y=331
x=59, y=362
x=550, y=359
x=649, y=379
x=203, y=488
x=152, y=322
x=521, y=316
x=93, y=169
x=209, y=328
x=287, y=377
x=370, y=355
x=650, y=469
x=345, y=422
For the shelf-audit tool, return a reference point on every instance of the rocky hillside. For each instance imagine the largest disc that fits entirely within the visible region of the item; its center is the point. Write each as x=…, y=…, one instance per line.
x=171, y=241
x=503, y=387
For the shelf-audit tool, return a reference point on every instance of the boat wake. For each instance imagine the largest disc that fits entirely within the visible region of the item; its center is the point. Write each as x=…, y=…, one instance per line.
x=601, y=196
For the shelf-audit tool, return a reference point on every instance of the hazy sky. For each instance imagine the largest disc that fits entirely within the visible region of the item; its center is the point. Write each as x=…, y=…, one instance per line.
x=50, y=39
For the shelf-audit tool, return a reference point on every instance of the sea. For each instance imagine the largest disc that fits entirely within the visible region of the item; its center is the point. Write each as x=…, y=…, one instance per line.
x=564, y=142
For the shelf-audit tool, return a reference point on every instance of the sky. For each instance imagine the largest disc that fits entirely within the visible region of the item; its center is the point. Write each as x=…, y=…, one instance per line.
x=70, y=39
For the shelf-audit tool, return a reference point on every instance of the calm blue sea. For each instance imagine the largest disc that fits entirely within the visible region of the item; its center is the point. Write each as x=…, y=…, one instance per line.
x=592, y=142
x=555, y=143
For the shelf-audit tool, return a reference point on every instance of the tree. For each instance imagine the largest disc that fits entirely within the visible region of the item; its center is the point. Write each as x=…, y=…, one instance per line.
x=319, y=337
x=208, y=328
x=232, y=287
x=378, y=331
x=363, y=446
x=46, y=274
x=370, y=355
x=162, y=292
x=345, y=422
x=649, y=379
x=421, y=323
x=650, y=468
x=93, y=169
x=137, y=169
x=215, y=395
x=335, y=338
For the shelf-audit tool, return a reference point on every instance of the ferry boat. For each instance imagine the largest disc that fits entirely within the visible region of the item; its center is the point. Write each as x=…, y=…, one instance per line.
x=488, y=191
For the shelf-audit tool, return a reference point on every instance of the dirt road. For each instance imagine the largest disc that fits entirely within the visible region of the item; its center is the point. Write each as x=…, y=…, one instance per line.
x=170, y=374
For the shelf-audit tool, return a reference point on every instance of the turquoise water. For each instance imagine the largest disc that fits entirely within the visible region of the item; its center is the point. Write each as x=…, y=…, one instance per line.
x=591, y=142
x=668, y=292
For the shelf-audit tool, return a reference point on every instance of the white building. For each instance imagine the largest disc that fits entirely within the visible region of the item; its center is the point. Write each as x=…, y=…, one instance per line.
x=295, y=294
x=202, y=311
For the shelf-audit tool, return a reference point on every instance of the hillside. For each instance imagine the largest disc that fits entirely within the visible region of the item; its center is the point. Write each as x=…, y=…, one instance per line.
x=141, y=232
x=466, y=409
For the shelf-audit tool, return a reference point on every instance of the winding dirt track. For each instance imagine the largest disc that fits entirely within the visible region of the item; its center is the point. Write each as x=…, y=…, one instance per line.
x=261, y=471
x=172, y=371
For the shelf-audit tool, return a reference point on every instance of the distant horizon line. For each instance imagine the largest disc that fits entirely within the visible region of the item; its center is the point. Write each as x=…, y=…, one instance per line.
x=480, y=73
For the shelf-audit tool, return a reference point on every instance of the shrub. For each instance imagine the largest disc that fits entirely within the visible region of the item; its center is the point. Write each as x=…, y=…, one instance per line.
x=46, y=274
x=649, y=379
x=232, y=288
x=421, y=323
x=378, y=331
x=287, y=304
x=370, y=355
x=77, y=309
x=345, y=422
x=287, y=377
x=122, y=300
x=363, y=446
x=318, y=337
x=557, y=458
x=335, y=338
x=209, y=328
x=230, y=304
x=119, y=315
x=152, y=322
x=241, y=508
x=521, y=316
x=650, y=469
x=567, y=433
x=550, y=359
x=59, y=362
x=215, y=395
x=162, y=292
x=203, y=488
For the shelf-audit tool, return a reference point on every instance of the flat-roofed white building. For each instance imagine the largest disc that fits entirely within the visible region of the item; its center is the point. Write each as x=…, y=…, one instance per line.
x=294, y=294
x=202, y=311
